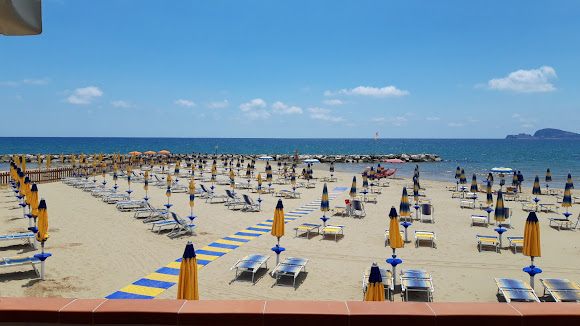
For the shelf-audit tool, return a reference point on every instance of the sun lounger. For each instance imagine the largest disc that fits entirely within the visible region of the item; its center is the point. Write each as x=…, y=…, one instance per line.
x=515, y=290
x=417, y=281
x=467, y=204
x=524, y=198
x=251, y=264
x=249, y=205
x=20, y=261
x=549, y=208
x=562, y=290
x=169, y=222
x=332, y=229
x=292, y=194
x=182, y=227
x=484, y=205
x=370, y=198
x=290, y=267
x=387, y=277
x=233, y=201
x=211, y=196
x=26, y=236
x=516, y=242
x=388, y=237
x=487, y=240
x=306, y=228
x=131, y=205
x=148, y=211
x=114, y=198
x=562, y=223
x=479, y=219
x=425, y=236
x=527, y=207
x=340, y=210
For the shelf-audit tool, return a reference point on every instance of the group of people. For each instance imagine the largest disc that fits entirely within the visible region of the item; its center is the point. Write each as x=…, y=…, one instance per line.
x=519, y=176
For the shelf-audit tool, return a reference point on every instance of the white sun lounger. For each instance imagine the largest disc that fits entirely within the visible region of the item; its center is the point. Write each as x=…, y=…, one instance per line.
x=290, y=267
x=306, y=228
x=250, y=264
x=333, y=229
x=26, y=236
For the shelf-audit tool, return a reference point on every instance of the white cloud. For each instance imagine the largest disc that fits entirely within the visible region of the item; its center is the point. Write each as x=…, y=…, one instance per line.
x=186, y=103
x=257, y=114
x=255, y=103
x=84, y=95
x=524, y=120
x=121, y=104
x=40, y=81
x=333, y=102
x=455, y=124
x=399, y=121
x=433, y=118
x=323, y=114
x=282, y=108
x=387, y=91
x=219, y=105
x=526, y=81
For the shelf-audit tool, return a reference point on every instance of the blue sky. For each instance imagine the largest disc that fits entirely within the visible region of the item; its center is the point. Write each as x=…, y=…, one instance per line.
x=404, y=69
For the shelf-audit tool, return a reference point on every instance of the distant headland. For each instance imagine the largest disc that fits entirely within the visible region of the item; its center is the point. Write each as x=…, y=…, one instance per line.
x=547, y=133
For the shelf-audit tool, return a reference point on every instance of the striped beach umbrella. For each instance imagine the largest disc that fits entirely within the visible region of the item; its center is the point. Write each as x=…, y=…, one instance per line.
x=489, y=195
x=176, y=171
x=536, y=189
x=569, y=180
x=309, y=171
x=372, y=173
x=187, y=285
x=548, y=175
x=462, y=178
x=278, y=226
x=103, y=169
x=268, y=173
x=331, y=168
x=146, y=183
x=324, y=203
x=458, y=173
x=404, y=208
x=39, y=161
x=248, y=171
x=191, y=196
x=473, y=183
x=293, y=178
x=259, y=183
x=567, y=200
x=376, y=288
x=416, y=189
x=499, y=213
x=353, y=188
x=213, y=174
x=23, y=168
x=532, y=246
x=365, y=182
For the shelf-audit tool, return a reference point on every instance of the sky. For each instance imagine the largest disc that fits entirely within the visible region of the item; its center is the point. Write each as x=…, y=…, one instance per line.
x=293, y=69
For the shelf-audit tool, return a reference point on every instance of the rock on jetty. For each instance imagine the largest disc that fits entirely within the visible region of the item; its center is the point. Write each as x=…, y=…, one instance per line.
x=355, y=158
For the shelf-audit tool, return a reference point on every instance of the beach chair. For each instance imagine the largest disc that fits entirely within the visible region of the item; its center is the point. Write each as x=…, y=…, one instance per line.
x=370, y=198
x=479, y=219
x=290, y=267
x=562, y=290
x=427, y=211
x=20, y=261
x=25, y=236
x=562, y=223
x=250, y=264
x=388, y=237
x=211, y=196
x=131, y=205
x=114, y=198
x=508, y=217
x=467, y=204
x=249, y=205
x=291, y=194
x=333, y=229
x=340, y=210
x=169, y=222
x=515, y=290
x=387, y=277
x=148, y=211
x=487, y=240
x=376, y=190
x=548, y=208
x=529, y=207
x=516, y=242
x=425, y=236
x=358, y=209
x=306, y=228
x=413, y=280
x=181, y=227
x=233, y=201
x=484, y=205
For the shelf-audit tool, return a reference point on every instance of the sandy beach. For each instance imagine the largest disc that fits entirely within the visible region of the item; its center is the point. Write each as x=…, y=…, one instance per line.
x=98, y=250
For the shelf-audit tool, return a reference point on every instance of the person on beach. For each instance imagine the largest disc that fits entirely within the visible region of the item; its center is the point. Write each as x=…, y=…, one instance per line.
x=520, y=180
x=490, y=177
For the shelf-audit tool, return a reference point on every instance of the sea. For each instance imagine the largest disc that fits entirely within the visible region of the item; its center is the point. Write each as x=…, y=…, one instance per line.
x=530, y=156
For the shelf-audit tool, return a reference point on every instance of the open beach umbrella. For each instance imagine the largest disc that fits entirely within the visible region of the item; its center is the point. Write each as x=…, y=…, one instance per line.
x=353, y=188
x=375, y=289
x=462, y=178
x=404, y=208
x=150, y=152
x=395, y=238
x=567, y=200
x=536, y=189
x=278, y=228
x=164, y=152
x=569, y=180
x=311, y=161
x=265, y=158
x=324, y=203
x=532, y=246
x=473, y=184
x=187, y=284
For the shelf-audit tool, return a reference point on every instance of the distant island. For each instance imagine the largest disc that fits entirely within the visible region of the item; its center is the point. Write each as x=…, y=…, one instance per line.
x=547, y=133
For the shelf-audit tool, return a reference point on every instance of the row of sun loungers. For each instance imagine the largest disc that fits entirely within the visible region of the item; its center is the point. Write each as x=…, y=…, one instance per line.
x=290, y=266
x=306, y=228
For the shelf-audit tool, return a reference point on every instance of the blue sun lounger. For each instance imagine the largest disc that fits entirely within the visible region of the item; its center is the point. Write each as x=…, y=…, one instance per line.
x=290, y=267
x=417, y=281
x=251, y=264
x=172, y=222
x=562, y=290
x=515, y=290
x=27, y=236
x=20, y=261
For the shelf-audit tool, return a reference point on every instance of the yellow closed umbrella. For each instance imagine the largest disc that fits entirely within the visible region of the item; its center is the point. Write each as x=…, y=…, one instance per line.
x=42, y=233
x=395, y=239
x=23, y=163
x=532, y=246
x=39, y=162
x=48, y=161
x=187, y=283
x=169, y=179
x=278, y=228
x=34, y=200
x=375, y=290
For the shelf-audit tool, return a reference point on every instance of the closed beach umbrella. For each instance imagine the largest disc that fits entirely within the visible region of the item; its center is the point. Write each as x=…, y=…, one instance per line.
x=232, y=179
x=176, y=172
x=248, y=171
x=462, y=178
x=548, y=175
x=24, y=164
x=404, y=208
x=353, y=188
x=104, y=169
x=39, y=161
x=42, y=222
x=375, y=289
x=395, y=238
x=569, y=180
x=169, y=179
x=473, y=184
x=48, y=161
x=331, y=167
x=213, y=174
x=309, y=171
x=372, y=173
x=187, y=283
x=191, y=196
x=268, y=173
x=293, y=178
x=489, y=195
x=458, y=173
x=324, y=203
x=532, y=246
x=72, y=160
x=146, y=184
x=567, y=200
x=259, y=183
x=499, y=213
x=278, y=228
x=365, y=183
x=536, y=189
x=34, y=200
x=416, y=189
